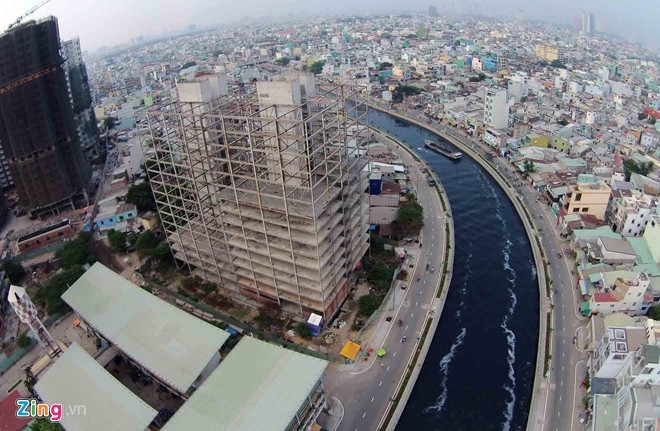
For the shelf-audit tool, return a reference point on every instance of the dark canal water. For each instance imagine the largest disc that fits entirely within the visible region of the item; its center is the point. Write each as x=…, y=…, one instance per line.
x=479, y=372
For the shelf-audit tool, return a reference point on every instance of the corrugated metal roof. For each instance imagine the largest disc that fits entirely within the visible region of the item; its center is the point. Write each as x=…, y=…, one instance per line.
x=169, y=342
x=258, y=386
x=76, y=379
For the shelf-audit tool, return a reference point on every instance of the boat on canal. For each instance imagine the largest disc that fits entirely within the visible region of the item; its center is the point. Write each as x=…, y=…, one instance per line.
x=443, y=149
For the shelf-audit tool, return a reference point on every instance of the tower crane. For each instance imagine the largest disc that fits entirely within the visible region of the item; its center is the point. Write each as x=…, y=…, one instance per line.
x=29, y=12
x=9, y=86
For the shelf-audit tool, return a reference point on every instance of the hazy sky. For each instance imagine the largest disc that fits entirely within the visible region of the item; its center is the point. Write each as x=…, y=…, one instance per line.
x=109, y=22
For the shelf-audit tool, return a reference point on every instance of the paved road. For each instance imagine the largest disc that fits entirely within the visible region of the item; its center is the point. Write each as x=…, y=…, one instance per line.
x=563, y=393
x=365, y=389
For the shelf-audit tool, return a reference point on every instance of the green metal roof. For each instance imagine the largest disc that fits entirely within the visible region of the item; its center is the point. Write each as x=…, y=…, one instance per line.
x=641, y=250
x=77, y=379
x=259, y=386
x=574, y=163
x=605, y=413
x=651, y=353
x=172, y=344
x=652, y=269
x=604, y=231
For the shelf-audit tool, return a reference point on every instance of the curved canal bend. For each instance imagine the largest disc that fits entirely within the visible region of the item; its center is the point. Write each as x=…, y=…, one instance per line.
x=479, y=371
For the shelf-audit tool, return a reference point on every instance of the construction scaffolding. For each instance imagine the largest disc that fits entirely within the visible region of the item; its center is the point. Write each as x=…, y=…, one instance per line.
x=264, y=190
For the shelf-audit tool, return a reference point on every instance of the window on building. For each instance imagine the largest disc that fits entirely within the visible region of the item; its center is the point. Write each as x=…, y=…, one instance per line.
x=578, y=196
x=585, y=209
x=576, y=210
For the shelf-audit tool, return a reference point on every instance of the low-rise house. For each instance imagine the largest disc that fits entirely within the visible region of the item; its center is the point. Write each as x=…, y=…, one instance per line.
x=631, y=211
x=621, y=291
x=587, y=196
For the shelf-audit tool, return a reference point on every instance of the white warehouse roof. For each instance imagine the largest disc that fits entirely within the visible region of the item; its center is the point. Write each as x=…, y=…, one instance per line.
x=257, y=387
x=76, y=379
x=167, y=341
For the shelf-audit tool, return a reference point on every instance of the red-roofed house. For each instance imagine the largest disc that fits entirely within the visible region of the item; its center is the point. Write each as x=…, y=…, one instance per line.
x=8, y=419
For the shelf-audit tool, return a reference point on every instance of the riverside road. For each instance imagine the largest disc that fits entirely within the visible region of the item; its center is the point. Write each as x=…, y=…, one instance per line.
x=480, y=368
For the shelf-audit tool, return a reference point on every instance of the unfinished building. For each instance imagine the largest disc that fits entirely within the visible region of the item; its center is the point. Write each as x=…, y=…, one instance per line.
x=262, y=189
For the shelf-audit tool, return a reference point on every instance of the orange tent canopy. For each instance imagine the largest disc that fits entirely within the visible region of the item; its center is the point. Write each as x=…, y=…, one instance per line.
x=350, y=350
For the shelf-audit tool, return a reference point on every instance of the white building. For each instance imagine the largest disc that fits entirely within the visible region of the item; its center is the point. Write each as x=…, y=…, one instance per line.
x=630, y=214
x=518, y=86
x=496, y=109
x=621, y=291
x=615, y=350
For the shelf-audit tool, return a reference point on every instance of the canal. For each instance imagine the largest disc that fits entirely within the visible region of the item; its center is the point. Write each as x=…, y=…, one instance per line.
x=479, y=371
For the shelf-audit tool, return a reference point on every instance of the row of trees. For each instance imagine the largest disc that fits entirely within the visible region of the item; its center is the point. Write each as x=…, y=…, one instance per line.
x=630, y=166
x=147, y=243
x=402, y=91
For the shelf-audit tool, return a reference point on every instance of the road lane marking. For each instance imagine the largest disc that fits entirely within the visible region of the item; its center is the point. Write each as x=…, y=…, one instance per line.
x=394, y=354
x=388, y=367
x=412, y=314
x=364, y=414
x=372, y=399
x=380, y=384
x=406, y=327
x=416, y=303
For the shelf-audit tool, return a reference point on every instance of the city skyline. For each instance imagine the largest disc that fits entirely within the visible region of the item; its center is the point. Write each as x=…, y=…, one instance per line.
x=122, y=23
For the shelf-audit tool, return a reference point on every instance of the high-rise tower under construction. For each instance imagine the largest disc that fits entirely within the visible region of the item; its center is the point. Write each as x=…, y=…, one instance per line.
x=262, y=189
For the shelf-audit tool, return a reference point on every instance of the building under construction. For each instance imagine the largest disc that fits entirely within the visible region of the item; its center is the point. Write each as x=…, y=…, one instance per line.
x=263, y=189
x=37, y=132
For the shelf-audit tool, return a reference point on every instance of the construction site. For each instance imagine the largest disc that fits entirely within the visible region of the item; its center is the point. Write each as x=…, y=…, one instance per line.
x=262, y=188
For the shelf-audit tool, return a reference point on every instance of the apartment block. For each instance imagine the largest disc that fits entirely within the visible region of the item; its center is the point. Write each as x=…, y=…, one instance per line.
x=549, y=52
x=37, y=134
x=629, y=215
x=263, y=190
x=496, y=109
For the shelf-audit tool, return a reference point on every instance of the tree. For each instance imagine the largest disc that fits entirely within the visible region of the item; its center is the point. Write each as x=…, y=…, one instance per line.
x=109, y=123
x=141, y=196
x=51, y=292
x=117, y=239
x=43, y=424
x=385, y=65
x=410, y=220
x=317, y=67
x=563, y=122
x=557, y=64
x=283, y=61
x=381, y=80
x=641, y=116
x=643, y=168
x=652, y=120
x=528, y=168
x=477, y=78
x=162, y=251
x=368, y=304
x=379, y=274
x=401, y=91
x=131, y=237
x=146, y=243
x=23, y=341
x=188, y=64
x=303, y=330
x=76, y=252
x=14, y=271
x=654, y=313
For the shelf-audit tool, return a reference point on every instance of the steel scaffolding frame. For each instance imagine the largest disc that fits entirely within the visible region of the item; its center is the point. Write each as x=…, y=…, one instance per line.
x=266, y=200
